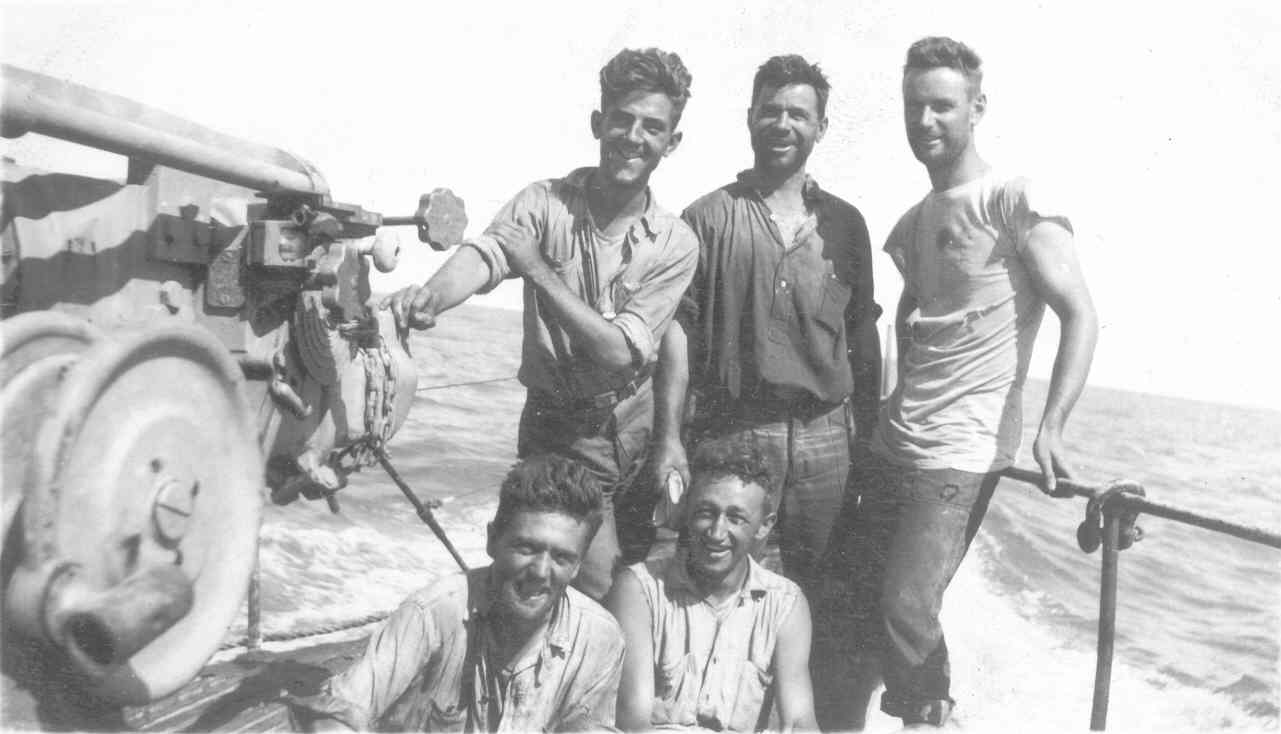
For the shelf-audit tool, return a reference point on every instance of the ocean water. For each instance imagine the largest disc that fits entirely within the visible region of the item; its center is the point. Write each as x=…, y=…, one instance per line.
x=1198, y=618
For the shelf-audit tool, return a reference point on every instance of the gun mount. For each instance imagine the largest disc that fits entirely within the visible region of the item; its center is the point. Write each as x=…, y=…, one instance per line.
x=171, y=345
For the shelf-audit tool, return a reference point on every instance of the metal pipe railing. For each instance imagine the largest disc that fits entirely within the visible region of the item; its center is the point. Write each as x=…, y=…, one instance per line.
x=1119, y=508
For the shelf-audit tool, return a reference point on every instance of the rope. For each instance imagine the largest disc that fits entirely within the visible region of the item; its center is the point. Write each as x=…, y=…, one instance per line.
x=316, y=631
x=464, y=384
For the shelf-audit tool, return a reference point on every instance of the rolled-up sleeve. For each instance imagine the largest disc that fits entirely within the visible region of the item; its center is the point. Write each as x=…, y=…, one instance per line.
x=651, y=307
x=527, y=210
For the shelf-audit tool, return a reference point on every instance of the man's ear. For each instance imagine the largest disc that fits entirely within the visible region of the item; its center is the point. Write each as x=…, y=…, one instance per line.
x=595, y=122
x=674, y=142
x=822, y=129
x=979, y=106
x=766, y=526
x=491, y=539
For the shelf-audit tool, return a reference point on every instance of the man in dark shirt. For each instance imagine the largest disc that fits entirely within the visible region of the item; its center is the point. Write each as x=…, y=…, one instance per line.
x=779, y=325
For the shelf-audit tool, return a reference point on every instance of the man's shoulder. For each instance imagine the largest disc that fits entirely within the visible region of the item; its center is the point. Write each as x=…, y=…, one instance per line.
x=839, y=207
x=587, y=613
x=447, y=596
x=719, y=200
x=774, y=583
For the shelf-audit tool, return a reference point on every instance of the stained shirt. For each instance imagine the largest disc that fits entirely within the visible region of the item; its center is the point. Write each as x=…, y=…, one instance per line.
x=767, y=316
x=426, y=668
x=634, y=281
x=959, y=402
x=713, y=669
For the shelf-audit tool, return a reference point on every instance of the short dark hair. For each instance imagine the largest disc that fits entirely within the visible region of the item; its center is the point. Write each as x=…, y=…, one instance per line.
x=736, y=456
x=646, y=70
x=549, y=483
x=935, y=52
x=779, y=71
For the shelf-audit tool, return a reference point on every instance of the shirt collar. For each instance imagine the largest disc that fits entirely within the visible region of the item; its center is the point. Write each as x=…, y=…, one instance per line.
x=677, y=577
x=810, y=190
x=654, y=220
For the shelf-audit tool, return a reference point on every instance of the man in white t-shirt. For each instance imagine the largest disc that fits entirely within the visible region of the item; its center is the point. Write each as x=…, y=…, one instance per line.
x=981, y=255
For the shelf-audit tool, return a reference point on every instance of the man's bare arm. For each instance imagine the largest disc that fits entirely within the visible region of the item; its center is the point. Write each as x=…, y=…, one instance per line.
x=626, y=601
x=671, y=383
x=903, y=332
x=1051, y=260
x=464, y=273
x=792, y=670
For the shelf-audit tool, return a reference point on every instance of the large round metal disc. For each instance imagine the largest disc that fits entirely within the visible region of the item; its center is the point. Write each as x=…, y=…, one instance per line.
x=36, y=348
x=157, y=419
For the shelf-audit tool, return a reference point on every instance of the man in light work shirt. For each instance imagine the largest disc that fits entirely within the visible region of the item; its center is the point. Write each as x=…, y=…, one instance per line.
x=713, y=639
x=780, y=321
x=981, y=255
x=604, y=267
x=508, y=647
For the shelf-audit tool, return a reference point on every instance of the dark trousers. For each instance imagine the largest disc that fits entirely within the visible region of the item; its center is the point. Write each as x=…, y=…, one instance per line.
x=900, y=545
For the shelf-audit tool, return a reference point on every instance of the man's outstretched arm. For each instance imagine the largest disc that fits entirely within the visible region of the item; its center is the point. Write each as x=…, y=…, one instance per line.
x=464, y=273
x=1051, y=260
x=792, y=682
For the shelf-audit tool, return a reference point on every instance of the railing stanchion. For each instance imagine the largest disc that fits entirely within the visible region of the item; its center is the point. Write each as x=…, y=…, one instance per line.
x=1107, y=621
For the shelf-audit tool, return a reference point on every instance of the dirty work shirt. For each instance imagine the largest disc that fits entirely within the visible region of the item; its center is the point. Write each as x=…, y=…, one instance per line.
x=634, y=281
x=425, y=668
x=712, y=670
x=958, y=404
x=769, y=318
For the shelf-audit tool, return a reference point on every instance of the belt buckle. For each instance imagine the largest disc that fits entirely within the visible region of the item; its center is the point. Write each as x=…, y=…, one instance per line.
x=602, y=401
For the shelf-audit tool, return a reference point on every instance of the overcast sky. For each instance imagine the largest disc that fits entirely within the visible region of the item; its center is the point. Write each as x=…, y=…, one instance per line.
x=1156, y=128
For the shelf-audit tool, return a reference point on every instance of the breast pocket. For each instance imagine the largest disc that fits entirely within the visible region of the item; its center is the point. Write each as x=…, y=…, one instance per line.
x=749, y=701
x=675, y=693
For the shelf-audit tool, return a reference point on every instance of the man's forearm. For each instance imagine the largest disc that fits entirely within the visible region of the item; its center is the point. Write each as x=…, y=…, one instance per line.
x=464, y=273
x=671, y=384
x=865, y=364
x=603, y=342
x=1078, y=334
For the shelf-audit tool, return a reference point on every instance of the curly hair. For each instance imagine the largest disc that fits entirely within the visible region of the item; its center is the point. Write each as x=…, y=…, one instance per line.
x=936, y=52
x=738, y=457
x=550, y=483
x=646, y=70
x=778, y=71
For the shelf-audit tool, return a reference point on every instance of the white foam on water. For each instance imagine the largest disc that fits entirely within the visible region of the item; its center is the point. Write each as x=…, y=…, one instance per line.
x=1013, y=672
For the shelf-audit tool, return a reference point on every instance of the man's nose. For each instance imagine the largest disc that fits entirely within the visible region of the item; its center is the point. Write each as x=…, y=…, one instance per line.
x=540, y=566
x=719, y=528
x=635, y=133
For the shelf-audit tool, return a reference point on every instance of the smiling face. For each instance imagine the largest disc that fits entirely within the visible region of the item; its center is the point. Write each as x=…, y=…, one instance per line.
x=785, y=124
x=940, y=110
x=726, y=520
x=636, y=131
x=535, y=556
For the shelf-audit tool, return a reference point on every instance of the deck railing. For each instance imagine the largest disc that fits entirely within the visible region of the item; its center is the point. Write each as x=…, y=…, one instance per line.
x=1110, y=518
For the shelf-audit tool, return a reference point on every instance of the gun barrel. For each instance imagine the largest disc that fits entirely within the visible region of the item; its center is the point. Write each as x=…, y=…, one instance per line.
x=37, y=103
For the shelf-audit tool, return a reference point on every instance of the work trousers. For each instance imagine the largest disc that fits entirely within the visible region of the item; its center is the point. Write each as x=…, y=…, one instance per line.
x=809, y=457
x=899, y=546
x=612, y=443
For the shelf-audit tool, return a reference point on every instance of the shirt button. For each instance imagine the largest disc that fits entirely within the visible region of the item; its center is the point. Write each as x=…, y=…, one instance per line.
x=782, y=284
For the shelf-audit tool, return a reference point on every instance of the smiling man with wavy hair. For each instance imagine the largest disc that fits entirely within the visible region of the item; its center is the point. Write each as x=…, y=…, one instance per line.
x=603, y=268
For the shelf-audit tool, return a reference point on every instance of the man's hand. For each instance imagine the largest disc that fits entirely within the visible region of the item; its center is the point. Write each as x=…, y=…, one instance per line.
x=414, y=306
x=1048, y=451
x=667, y=457
x=523, y=256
